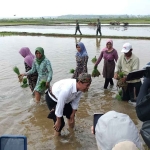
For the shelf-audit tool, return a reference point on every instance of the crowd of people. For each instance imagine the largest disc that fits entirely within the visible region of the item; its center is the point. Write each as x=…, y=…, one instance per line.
x=63, y=97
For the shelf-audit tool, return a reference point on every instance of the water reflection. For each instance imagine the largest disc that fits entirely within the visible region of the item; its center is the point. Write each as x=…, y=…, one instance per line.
x=143, y=31
x=98, y=42
x=19, y=117
x=125, y=28
x=77, y=40
x=119, y=28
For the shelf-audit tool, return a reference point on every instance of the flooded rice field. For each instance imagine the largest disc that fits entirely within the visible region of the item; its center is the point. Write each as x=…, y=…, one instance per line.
x=141, y=31
x=18, y=114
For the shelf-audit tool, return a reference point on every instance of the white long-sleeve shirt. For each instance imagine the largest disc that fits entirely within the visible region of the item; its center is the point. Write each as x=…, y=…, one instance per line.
x=65, y=91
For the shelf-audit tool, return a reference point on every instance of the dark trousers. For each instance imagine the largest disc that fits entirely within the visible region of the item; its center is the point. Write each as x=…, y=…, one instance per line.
x=51, y=105
x=144, y=90
x=77, y=29
x=107, y=81
x=128, y=93
x=98, y=30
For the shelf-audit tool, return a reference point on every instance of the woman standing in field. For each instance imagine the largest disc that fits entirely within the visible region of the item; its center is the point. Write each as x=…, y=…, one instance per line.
x=81, y=60
x=43, y=67
x=110, y=55
x=28, y=60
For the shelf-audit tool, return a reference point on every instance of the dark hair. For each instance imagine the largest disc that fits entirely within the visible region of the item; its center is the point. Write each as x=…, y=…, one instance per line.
x=77, y=45
x=76, y=79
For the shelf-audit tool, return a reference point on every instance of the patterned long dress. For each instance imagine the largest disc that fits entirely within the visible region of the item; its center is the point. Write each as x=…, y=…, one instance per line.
x=32, y=78
x=81, y=66
x=44, y=71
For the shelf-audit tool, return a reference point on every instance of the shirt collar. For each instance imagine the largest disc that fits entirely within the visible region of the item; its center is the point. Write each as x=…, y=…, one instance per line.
x=74, y=87
x=129, y=58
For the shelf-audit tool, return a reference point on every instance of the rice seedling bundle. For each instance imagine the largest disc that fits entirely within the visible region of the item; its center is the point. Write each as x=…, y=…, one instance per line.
x=95, y=72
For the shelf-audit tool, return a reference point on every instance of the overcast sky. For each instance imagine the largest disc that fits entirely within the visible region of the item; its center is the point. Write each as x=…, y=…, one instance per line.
x=37, y=8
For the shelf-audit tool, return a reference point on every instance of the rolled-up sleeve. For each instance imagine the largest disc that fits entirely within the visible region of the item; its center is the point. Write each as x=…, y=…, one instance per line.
x=75, y=102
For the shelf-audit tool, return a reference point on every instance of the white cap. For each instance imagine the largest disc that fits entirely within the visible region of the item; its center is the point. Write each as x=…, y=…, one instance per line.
x=126, y=47
x=113, y=128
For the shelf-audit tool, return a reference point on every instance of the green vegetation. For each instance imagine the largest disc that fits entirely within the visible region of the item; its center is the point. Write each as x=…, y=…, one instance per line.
x=68, y=35
x=72, y=70
x=42, y=85
x=118, y=96
x=94, y=60
x=16, y=70
x=24, y=85
x=57, y=21
x=120, y=74
x=95, y=72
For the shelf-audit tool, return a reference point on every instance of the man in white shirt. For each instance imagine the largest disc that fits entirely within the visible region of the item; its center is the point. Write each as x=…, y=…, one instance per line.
x=63, y=100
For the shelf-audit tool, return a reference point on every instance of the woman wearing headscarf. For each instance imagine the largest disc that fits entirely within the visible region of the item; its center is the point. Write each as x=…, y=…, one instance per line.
x=28, y=60
x=110, y=56
x=81, y=60
x=43, y=67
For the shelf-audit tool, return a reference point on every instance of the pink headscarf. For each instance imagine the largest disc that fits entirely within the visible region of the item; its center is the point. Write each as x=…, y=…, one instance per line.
x=28, y=56
x=108, y=41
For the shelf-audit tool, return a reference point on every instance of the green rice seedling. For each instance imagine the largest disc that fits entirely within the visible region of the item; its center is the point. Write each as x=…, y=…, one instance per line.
x=120, y=92
x=72, y=71
x=94, y=59
x=25, y=84
x=43, y=85
x=121, y=74
x=95, y=72
x=16, y=70
x=118, y=97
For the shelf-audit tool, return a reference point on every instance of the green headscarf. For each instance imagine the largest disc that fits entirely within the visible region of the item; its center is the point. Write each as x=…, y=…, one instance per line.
x=41, y=50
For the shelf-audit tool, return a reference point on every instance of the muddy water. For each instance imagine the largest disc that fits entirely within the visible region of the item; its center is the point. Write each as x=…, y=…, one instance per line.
x=142, y=31
x=18, y=114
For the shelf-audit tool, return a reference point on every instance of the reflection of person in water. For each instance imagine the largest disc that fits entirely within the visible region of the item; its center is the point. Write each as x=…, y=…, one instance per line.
x=125, y=28
x=98, y=41
x=98, y=27
x=78, y=40
x=77, y=27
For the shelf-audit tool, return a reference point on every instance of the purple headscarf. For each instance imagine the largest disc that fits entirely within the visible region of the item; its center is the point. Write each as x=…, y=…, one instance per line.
x=83, y=51
x=28, y=56
x=108, y=41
